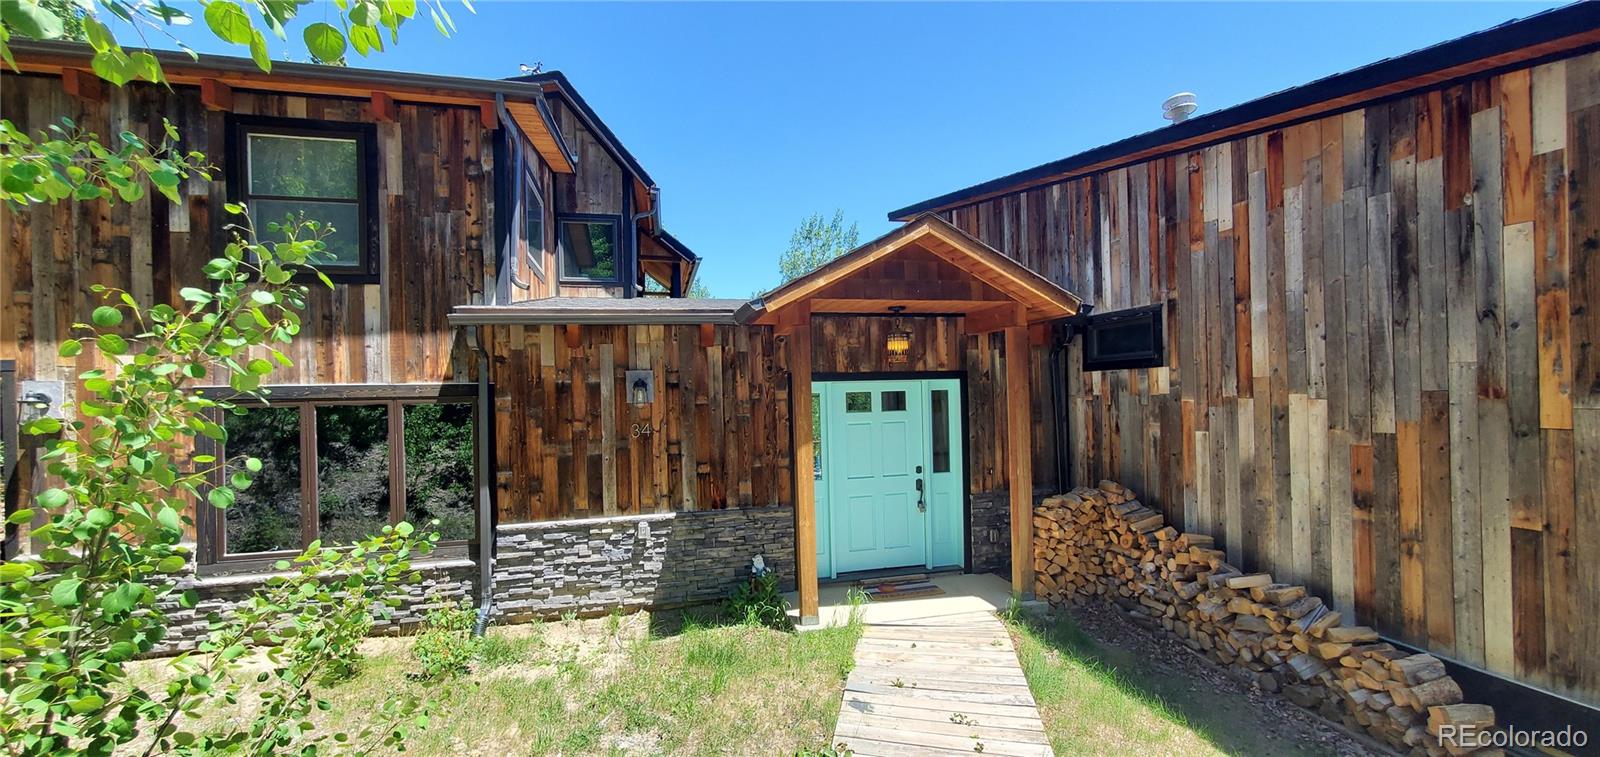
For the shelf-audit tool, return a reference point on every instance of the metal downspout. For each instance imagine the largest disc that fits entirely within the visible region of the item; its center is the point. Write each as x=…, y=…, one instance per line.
x=1062, y=334
x=481, y=419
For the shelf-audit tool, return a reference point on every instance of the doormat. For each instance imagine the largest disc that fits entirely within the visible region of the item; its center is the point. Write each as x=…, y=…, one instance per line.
x=888, y=591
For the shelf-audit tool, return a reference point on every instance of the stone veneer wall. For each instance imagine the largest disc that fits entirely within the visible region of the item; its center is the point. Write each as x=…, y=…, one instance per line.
x=444, y=582
x=1102, y=544
x=634, y=562
x=991, y=517
x=545, y=569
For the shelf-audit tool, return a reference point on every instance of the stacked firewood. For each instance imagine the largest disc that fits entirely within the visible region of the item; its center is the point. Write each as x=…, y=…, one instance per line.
x=1103, y=544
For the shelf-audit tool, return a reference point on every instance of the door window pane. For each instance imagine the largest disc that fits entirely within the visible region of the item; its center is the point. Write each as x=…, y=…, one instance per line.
x=439, y=481
x=344, y=246
x=266, y=516
x=292, y=166
x=816, y=436
x=352, y=472
x=588, y=250
x=939, y=412
x=894, y=401
x=858, y=402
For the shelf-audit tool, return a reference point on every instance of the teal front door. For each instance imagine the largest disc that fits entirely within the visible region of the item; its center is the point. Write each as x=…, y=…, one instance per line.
x=888, y=475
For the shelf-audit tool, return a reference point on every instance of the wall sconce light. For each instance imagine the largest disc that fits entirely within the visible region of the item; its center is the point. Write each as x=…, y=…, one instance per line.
x=41, y=399
x=899, y=346
x=641, y=387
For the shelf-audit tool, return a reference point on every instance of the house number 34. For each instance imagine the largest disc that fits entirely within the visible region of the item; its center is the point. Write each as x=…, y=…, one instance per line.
x=643, y=429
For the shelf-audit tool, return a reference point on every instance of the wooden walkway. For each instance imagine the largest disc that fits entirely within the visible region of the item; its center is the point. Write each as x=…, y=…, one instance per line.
x=939, y=686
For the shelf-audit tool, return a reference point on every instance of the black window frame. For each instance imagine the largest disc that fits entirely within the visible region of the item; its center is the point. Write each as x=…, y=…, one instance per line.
x=529, y=188
x=237, y=172
x=567, y=277
x=1151, y=317
x=211, y=523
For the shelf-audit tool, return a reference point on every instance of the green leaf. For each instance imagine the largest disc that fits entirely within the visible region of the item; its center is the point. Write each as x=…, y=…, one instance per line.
x=11, y=571
x=31, y=18
x=263, y=297
x=325, y=42
x=171, y=564
x=252, y=464
x=99, y=517
x=70, y=348
x=42, y=426
x=19, y=517
x=106, y=317
x=168, y=517
x=111, y=344
x=258, y=53
x=221, y=497
x=68, y=592
x=88, y=703
x=230, y=22
x=50, y=499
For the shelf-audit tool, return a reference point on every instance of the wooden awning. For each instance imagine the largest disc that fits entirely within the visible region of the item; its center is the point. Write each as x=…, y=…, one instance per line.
x=924, y=267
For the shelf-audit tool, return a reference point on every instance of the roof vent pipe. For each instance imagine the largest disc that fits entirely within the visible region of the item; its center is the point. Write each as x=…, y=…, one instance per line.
x=1178, y=107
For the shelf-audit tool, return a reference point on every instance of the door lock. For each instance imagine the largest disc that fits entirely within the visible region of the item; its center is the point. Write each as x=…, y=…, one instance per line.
x=922, y=500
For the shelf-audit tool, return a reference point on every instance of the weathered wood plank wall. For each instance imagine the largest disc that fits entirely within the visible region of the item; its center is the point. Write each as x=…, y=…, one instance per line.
x=434, y=205
x=1383, y=369
x=570, y=444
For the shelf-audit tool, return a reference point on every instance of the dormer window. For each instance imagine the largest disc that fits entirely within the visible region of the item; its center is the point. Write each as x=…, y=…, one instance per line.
x=589, y=249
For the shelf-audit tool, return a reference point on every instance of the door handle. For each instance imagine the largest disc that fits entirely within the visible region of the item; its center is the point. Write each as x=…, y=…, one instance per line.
x=922, y=500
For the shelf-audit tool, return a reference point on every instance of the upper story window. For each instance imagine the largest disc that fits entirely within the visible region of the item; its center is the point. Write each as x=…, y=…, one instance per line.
x=588, y=247
x=532, y=226
x=315, y=170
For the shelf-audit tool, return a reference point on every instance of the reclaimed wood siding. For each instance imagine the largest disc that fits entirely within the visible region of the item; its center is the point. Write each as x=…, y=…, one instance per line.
x=1383, y=373
x=570, y=444
x=433, y=195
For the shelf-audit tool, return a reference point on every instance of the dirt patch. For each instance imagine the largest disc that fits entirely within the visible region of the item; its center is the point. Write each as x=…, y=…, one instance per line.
x=1191, y=684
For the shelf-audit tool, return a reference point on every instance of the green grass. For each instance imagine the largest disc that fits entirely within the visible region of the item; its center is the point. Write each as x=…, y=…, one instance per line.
x=619, y=685
x=1100, y=699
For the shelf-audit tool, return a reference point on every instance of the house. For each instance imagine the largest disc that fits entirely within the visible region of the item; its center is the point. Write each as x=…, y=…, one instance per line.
x=1312, y=324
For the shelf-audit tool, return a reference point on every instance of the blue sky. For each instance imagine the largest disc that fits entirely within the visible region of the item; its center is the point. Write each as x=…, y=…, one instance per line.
x=752, y=116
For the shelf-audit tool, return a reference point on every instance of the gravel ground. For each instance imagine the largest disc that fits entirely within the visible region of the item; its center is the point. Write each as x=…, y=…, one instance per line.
x=1161, y=654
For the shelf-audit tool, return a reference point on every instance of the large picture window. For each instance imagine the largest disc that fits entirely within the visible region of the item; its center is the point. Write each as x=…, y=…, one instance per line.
x=588, y=246
x=312, y=170
x=338, y=470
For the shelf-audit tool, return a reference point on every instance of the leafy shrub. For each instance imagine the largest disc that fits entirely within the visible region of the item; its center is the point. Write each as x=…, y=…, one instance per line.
x=758, y=602
x=446, y=647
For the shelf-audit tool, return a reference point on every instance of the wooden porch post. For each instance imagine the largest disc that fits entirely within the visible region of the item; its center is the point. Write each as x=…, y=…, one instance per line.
x=805, y=496
x=1019, y=451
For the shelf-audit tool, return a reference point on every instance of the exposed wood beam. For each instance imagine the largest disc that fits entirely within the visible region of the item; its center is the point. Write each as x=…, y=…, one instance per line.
x=489, y=116
x=791, y=320
x=574, y=334
x=805, y=493
x=996, y=318
x=1019, y=456
x=912, y=307
x=882, y=288
x=383, y=108
x=216, y=95
x=83, y=85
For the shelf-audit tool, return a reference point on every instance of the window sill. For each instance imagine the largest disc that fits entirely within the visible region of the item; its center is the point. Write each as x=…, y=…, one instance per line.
x=252, y=567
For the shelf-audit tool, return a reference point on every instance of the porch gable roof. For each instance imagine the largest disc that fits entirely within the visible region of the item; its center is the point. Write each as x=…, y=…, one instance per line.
x=996, y=289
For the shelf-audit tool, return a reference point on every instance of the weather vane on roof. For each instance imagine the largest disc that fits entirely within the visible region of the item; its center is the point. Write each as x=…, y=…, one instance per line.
x=528, y=70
